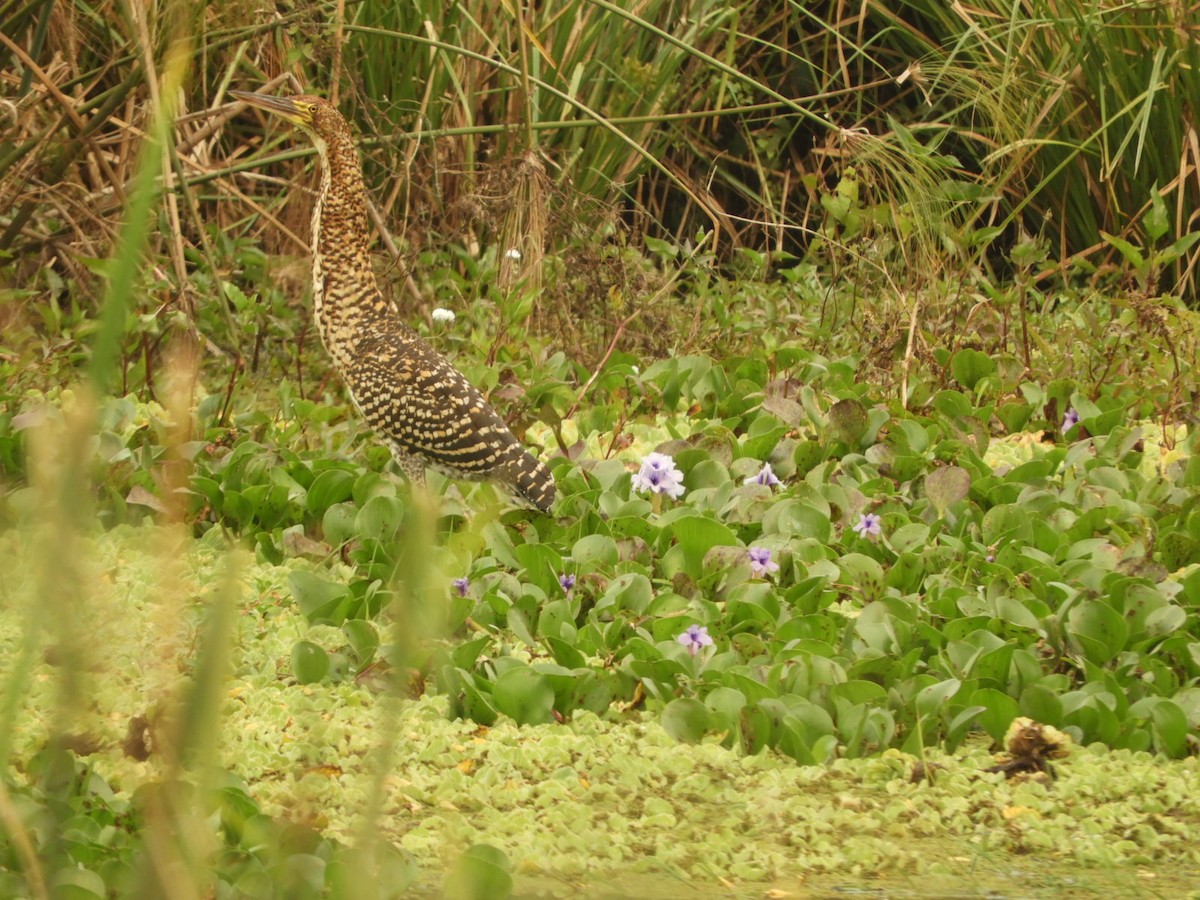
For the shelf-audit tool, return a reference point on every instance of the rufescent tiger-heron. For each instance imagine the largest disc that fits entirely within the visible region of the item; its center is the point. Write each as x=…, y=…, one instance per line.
x=411, y=395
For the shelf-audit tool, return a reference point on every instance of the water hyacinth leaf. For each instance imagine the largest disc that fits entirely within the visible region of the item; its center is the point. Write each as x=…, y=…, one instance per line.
x=337, y=523
x=77, y=883
x=524, y=695
x=905, y=573
x=1091, y=716
x=542, y=564
x=380, y=518
x=330, y=487
x=1169, y=724
x=960, y=725
x=561, y=680
x=857, y=692
x=310, y=663
x=911, y=435
x=848, y=422
x=465, y=655
x=785, y=410
x=929, y=700
x=565, y=654
x=362, y=638
x=631, y=591
x=557, y=619
x=1014, y=416
x=483, y=872
x=807, y=456
x=594, y=691
x=910, y=536
x=994, y=665
x=476, y=705
x=1098, y=630
x=695, y=536
x=1007, y=523
x=946, y=486
x=796, y=518
x=864, y=573
x=319, y=600
x=998, y=711
x=1041, y=704
x=760, y=445
x=594, y=551
x=952, y=404
x=519, y=624
x=350, y=867
x=634, y=526
x=970, y=366
x=1164, y=621
x=726, y=705
x=685, y=719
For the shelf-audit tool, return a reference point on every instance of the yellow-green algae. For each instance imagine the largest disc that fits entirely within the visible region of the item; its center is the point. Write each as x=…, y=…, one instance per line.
x=574, y=800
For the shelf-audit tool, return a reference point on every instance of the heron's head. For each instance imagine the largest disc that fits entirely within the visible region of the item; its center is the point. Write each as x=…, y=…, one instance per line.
x=312, y=114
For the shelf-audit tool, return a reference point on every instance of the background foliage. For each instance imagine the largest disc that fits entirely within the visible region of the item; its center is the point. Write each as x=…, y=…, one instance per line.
x=921, y=139
x=931, y=263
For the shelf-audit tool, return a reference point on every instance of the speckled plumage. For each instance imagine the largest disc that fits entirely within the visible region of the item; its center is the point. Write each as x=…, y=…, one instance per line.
x=423, y=407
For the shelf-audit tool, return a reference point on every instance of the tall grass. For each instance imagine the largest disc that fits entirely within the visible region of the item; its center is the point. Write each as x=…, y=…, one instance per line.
x=1093, y=112
x=961, y=126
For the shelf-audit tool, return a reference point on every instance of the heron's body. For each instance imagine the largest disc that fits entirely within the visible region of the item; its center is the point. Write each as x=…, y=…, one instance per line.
x=423, y=407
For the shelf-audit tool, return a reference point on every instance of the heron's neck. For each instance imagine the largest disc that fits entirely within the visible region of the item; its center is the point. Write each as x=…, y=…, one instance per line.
x=345, y=294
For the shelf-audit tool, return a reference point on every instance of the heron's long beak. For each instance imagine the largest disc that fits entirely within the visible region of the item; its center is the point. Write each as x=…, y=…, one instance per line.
x=281, y=106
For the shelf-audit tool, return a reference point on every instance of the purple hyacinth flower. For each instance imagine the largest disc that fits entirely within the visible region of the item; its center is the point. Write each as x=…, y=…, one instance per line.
x=1070, y=420
x=658, y=475
x=695, y=638
x=869, y=526
x=761, y=562
x=764, y=477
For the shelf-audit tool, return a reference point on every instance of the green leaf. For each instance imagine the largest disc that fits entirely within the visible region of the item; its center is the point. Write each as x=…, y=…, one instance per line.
x=795, y=518
x=726, y=705
x=862, y=572
x=475, y=703
x=999, y=710
x=319, y=600
x=946, y=486
x=380, y=518
x=969, y=366
x=695, y=536
x=524, y=696
x=483, y=872
x=631, y=591
x=310, y=663
x=465, y=654
x=330, y=487
x=1007, y=523
x=1133, y=256
x=363, y=639
x=337, y=524
x=685, y=719
x=1041, y=704
x=77, y=883
x=1169, y=725
x=929, y=700
x=848, y=422
x=1156, y=221
x=1099, y=630
x=594, y=551
x=1014, y=415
